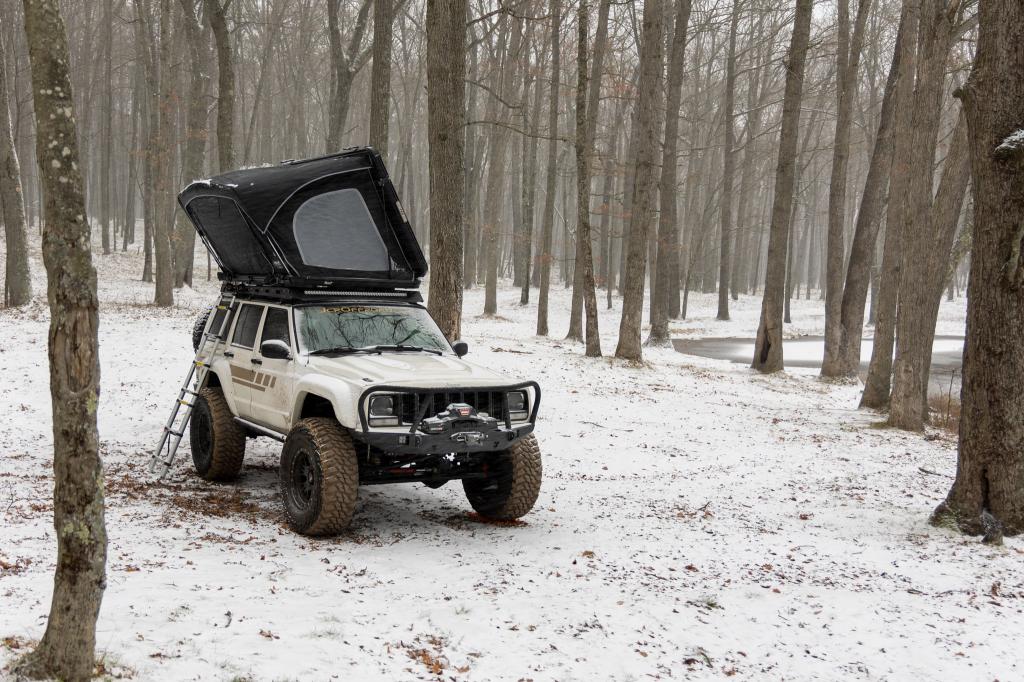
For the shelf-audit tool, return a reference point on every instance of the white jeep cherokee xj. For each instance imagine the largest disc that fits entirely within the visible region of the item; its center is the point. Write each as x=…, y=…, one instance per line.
x=321, y=342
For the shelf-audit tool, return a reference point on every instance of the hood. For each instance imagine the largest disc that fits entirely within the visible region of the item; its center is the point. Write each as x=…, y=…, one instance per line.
x=329, y=221
x=415, y=370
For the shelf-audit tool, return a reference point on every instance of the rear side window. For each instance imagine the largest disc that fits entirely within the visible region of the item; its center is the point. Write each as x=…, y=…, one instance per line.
x=275, y=327
x=247, y=325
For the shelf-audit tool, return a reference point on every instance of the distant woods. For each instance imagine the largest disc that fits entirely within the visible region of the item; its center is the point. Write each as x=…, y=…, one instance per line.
x=633, y=150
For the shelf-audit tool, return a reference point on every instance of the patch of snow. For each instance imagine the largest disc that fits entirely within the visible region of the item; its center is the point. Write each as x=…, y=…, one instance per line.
x=696, y=520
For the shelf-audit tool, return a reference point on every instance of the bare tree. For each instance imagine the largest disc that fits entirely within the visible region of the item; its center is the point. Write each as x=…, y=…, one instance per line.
x=648, y=124
x=380, y=76
x=195, y=141
x=544, y=252
x=988, y=493
x=345, y=64
x=668, y=231
x=847, y=67
x=17, y=283
x=585, y=117
x=768, y=347
x=216, y=12
x=446, y=92
x=728, y=169
x=67, y=648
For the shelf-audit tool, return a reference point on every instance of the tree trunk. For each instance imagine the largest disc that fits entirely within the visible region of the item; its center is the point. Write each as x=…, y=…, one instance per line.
x=847, y=66
x=668, y=230
x=728, y=170
x=768, y=347
x=920, y=257
x=446, y=92
x=380, y=77
x=195, y=144
x=547, y=230
x=225, y=85
x=919, y=305
x=879, y=379
x=989, y=488
x=644, y=183
x=66, y=650
x=17, y=280
x=586, y=124
x=530, y=189
x=106, y=125
x=345, y=64
x=865, y=237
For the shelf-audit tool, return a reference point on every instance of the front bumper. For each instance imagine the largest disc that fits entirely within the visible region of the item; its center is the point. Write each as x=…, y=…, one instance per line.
x=468, y=440
x=478, y=433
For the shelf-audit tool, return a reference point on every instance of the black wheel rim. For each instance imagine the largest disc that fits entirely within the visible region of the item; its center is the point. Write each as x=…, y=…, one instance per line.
x=202, y=438
x=302, y=478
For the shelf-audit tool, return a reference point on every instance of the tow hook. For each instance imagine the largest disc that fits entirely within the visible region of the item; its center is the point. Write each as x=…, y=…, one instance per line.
x=468, y=437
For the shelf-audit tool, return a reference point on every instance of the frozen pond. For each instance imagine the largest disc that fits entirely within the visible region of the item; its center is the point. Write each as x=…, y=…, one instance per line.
x=808, y=351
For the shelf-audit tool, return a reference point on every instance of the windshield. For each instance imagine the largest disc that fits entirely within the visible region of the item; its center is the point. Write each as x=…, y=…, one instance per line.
x=361, y=326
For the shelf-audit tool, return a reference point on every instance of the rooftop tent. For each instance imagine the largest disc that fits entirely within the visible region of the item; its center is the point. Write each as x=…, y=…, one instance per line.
x=331, y=220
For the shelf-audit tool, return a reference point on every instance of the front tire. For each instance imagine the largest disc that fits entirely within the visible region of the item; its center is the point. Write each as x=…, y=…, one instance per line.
x=319, y=477
x=218, y=442
x=512, y=484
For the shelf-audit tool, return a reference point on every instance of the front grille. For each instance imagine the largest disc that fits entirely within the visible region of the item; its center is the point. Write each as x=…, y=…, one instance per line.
x=410, y=404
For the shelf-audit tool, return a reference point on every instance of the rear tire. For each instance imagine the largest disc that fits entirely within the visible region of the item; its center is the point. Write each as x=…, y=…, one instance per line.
x=218, y=442
x=319, y=477
x=199, y=328
x=512, y=484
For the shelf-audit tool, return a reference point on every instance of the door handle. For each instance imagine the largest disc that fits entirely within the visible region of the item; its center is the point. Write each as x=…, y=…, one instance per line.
x=256, y=361
x=228, y=354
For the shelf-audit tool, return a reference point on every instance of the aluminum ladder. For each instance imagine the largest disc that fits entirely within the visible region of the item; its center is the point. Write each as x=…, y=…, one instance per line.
x=163, y=457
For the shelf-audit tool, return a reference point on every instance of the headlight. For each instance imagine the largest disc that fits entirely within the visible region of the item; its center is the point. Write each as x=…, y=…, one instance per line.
x=517, y=405
x=382, y=411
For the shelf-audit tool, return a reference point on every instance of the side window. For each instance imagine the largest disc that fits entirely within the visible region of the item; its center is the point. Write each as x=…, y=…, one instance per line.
x=247, y=325
x=275, y=327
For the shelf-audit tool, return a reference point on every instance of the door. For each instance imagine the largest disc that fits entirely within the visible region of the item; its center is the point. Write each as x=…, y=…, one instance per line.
x=240, y=356
x=271, y=394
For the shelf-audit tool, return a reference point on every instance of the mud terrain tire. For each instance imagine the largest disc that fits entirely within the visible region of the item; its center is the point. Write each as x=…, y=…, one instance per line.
x=319, y=477
x=218, y=442
x=512, y=485
x=198, y=328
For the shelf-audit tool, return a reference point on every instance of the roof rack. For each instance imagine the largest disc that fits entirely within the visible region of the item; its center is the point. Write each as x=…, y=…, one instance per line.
x=301, y=294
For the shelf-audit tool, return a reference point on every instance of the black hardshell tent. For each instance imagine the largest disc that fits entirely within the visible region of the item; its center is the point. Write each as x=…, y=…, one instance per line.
x=329, y=221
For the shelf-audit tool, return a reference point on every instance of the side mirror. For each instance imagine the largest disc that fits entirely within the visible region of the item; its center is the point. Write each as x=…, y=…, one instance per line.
x=275, y=349
x=460, y=348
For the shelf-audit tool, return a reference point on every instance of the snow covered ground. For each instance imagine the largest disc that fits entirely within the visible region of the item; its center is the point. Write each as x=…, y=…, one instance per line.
x=697, y=521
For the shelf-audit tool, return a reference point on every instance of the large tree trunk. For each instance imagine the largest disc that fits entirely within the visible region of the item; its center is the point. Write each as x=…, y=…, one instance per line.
x=666, y=269
x=919, y=305
x=66, y=650
x=446, y=92
x=215, y=13
x=768, y=347
x=195, y=144
x=547, y=230
x=586, y=118
x=530, y=189
x=920, y=257
x=345, y=64
x=865, y=237
x=728, y=170
x=644, y=182
x=989, y=481
x=380, y=76
x=879, y=379
x=17, y=281
x=847, y=66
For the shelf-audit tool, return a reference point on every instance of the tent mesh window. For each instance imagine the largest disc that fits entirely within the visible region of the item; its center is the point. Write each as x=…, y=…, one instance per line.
x=335, y=230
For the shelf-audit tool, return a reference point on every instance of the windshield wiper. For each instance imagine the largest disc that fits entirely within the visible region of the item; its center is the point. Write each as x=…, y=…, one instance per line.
x=399, y=348
x=342, y=350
